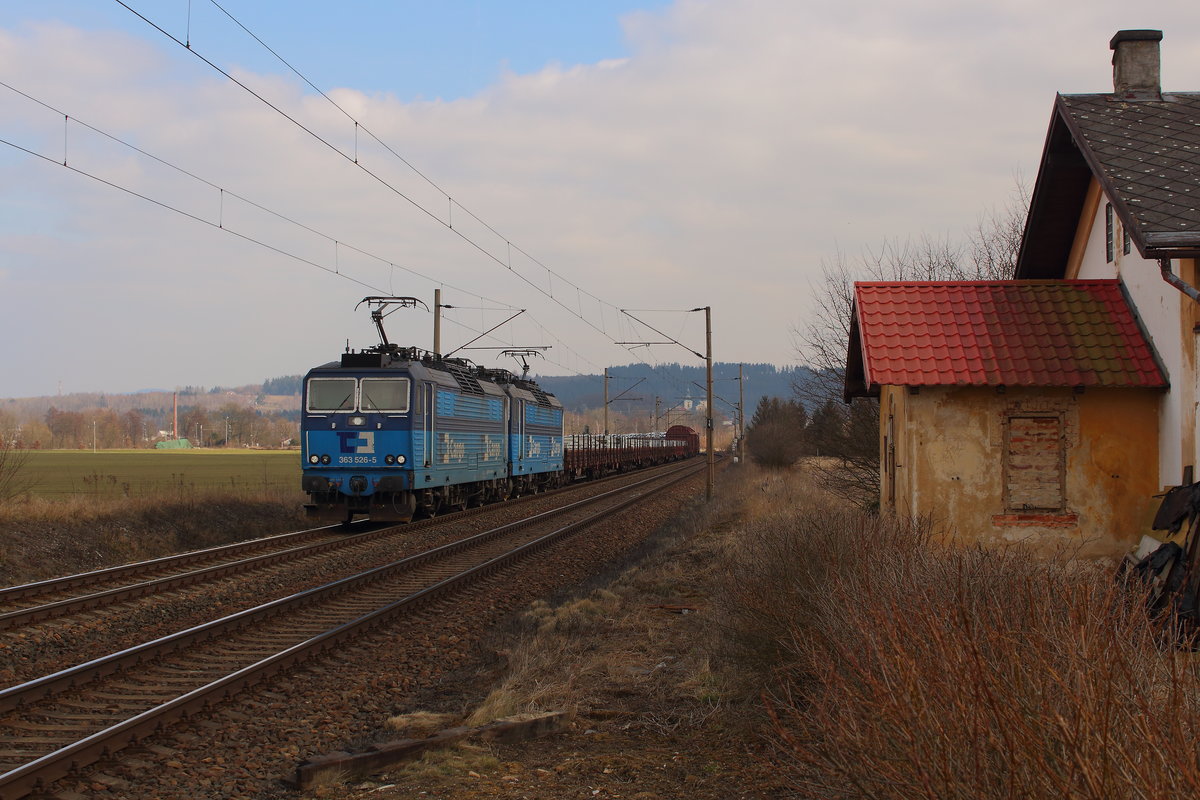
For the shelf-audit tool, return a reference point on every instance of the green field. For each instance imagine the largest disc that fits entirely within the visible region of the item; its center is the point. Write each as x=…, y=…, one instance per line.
x=141, y=473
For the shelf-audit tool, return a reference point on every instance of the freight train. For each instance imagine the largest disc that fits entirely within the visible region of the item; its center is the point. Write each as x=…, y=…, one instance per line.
x=391, y=433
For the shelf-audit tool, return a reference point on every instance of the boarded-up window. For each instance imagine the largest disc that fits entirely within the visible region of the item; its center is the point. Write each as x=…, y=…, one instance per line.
x=1033, y=475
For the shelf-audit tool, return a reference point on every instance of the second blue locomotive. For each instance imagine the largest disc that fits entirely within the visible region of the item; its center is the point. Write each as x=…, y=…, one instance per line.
x=391, y=432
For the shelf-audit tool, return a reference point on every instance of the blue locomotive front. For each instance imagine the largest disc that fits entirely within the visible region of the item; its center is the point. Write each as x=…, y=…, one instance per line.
x=356, y=434
x=392, y=432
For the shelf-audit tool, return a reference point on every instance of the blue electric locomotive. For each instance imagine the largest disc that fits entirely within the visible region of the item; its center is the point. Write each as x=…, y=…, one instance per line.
x=391, y=432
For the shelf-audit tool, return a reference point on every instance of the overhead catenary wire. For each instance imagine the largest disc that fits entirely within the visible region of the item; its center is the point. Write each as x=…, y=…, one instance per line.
x=340, y=246
x=378, y=178
x=547, y=292
x=220, y=224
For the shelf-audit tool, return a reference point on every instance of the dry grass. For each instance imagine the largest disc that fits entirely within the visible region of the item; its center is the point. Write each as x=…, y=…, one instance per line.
x=436, y=766
x=889, y=665
x=42, y=538
x=896, y=668
x=555, y=637
x=422, y=723
x=615, y=645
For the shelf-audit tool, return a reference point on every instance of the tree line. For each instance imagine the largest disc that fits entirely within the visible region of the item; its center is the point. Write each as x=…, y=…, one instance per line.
x=231, y=425
x=782, y=431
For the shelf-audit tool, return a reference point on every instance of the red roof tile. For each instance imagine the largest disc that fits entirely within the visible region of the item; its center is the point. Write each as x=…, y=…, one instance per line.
x=988, y=333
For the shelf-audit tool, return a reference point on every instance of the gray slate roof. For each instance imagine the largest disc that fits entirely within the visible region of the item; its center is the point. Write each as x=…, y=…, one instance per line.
x=1148, y=154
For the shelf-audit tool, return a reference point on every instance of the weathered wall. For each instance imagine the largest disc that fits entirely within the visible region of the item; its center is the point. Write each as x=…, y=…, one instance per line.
x=953, y=453
x=1169, y=318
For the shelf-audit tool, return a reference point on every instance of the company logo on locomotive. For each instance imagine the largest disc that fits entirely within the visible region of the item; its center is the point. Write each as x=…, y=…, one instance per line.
x=358, y=442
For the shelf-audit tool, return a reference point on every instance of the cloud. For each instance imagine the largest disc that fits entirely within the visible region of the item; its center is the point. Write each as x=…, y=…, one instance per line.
x=736, y=148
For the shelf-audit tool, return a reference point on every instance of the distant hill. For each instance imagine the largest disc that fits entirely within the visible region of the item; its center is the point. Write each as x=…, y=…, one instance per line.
x=247, y=413
x=672, y=383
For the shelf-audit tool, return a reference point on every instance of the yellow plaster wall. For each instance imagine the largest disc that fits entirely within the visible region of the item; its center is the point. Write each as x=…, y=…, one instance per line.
x=952, y=470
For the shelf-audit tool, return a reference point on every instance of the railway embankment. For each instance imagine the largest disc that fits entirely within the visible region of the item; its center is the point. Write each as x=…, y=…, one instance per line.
x=661, y=702
x=766, y=644
x=336, y=699
x=775, y=644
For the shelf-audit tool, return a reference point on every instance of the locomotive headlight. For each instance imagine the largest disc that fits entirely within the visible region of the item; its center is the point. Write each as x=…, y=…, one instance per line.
x=314, y=459
x=389, y=460
x=400, y=459
x=358, y=421
x=325, y=459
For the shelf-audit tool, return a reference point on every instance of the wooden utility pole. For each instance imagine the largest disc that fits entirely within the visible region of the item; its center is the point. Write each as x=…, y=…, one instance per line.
x=708, y=411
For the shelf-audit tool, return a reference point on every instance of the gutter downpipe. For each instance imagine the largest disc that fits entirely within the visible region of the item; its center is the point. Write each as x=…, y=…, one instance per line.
x=1164, y=266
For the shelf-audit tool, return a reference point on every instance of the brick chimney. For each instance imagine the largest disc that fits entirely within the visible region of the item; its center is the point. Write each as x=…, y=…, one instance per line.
x=1136, y=72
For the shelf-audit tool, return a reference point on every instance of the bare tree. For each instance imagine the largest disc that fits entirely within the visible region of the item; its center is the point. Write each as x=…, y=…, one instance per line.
x=989, y=252
x=995, y=241
x=14, y=478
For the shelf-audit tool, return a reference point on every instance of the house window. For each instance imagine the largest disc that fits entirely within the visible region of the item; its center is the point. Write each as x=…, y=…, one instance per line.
x=1034, y=464
x=1108, y=232
x=1126, y=242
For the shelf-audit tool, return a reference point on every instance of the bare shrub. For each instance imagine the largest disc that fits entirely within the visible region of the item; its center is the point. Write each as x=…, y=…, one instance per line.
x=901, y=669
x=14, y=478
x=43, y=538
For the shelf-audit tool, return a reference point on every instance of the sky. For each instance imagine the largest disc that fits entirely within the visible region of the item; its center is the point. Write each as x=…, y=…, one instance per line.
x=239, y=176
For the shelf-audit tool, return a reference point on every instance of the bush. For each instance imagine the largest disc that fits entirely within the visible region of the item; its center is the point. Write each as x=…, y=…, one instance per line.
x=774, y=444
x=901, y=669
x=14, y=478
x=775, y=438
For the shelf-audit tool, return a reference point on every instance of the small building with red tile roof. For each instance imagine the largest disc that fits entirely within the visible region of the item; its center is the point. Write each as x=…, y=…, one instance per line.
x=1006, y=407
x=1064, y=400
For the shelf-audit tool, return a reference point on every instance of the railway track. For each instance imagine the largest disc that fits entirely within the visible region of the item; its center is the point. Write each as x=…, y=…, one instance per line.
x=61, y=721
x=35, y=602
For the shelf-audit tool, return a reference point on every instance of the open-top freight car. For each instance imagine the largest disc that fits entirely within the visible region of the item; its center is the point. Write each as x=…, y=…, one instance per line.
x=592, y=455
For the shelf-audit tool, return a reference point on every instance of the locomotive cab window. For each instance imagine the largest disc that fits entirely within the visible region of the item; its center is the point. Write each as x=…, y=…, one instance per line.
x=331, y=394
x=385, y=394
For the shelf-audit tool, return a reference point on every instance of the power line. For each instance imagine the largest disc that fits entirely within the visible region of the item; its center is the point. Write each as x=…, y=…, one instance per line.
x=358, y=126
x=548, y=292
x=355, y=161
x=220, y=222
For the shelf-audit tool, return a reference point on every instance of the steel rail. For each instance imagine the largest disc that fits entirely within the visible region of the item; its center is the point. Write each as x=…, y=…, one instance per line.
x=35, y=774
x=38, y=688
x=36, y=613
x=66, y=582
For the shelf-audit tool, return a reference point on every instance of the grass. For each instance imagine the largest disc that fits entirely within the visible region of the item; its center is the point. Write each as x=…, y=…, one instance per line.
x=42, y=538
x=895, y=667
x=582, y=653
x=143, y=473
x=881, y=659
x=87, y=510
